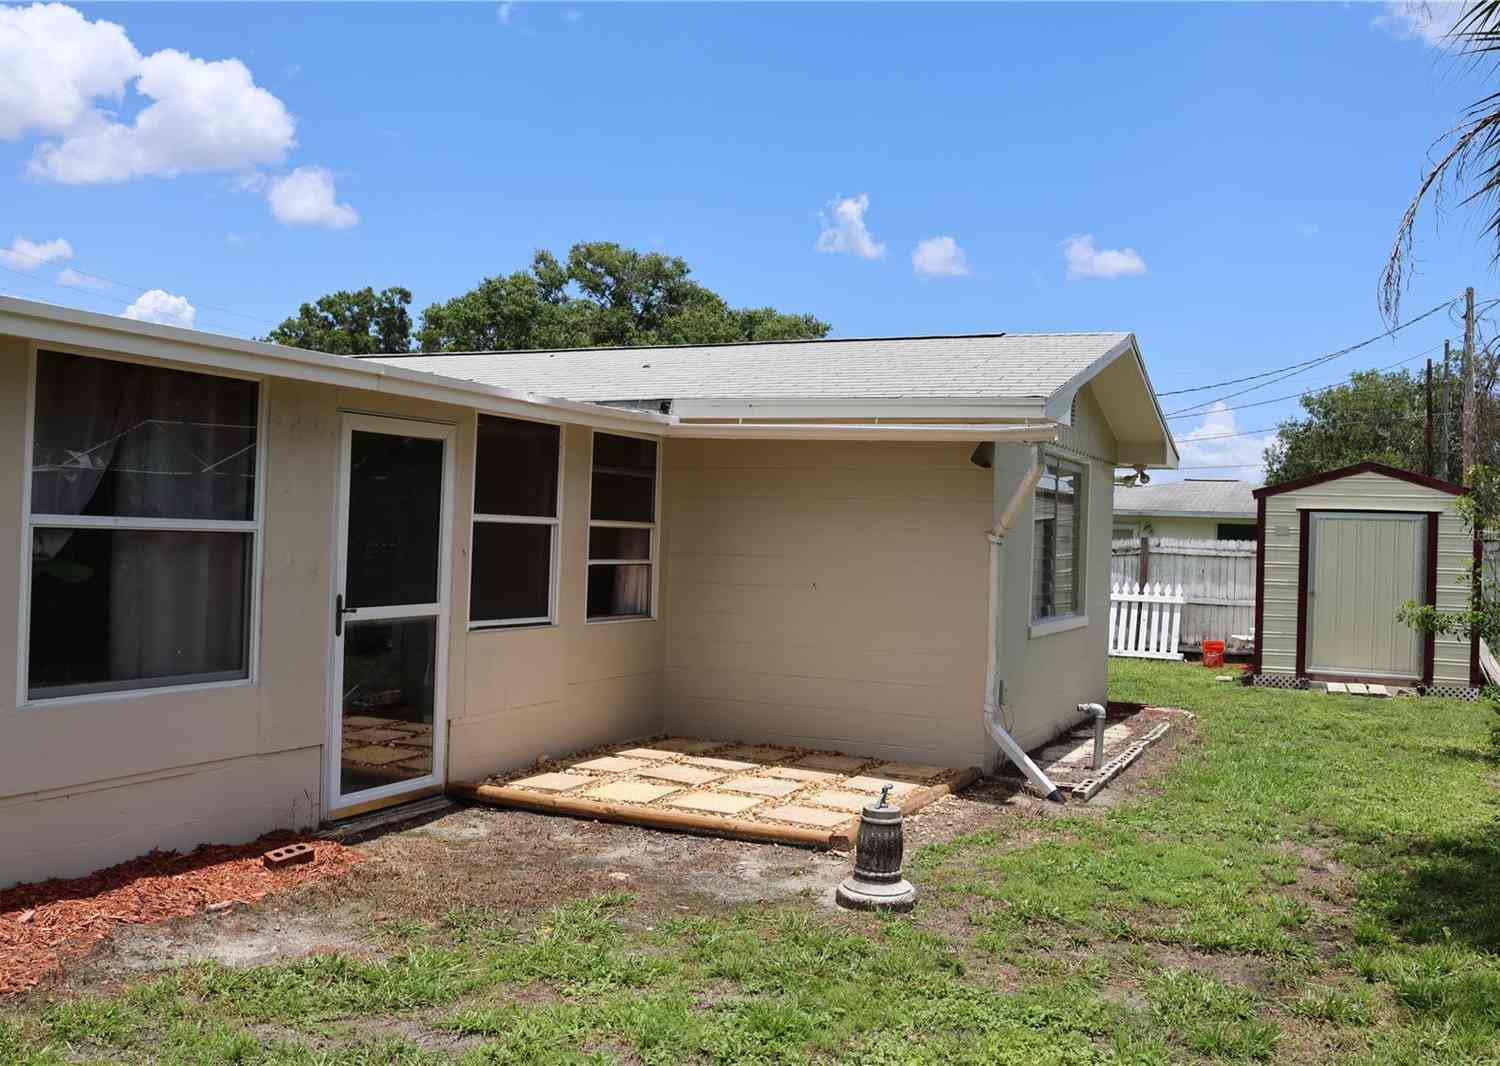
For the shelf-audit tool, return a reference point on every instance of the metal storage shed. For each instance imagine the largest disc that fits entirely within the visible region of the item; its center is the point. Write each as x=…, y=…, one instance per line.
x=1339, y=553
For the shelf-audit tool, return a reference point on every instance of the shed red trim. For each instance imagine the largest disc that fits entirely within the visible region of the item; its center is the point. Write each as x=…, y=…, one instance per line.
x=1360, y=468
x=1304, y=534
x=1476, y=676
x=1260, y=579
x=1429, y=642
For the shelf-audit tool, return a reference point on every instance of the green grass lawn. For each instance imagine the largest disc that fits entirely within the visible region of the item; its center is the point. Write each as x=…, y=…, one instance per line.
x=1317, y=879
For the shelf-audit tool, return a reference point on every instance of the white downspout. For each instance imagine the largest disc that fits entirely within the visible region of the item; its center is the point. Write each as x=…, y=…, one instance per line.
x=994, y=683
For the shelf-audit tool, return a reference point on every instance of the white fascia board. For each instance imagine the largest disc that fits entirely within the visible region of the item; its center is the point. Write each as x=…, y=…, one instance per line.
x=1222, y=516
x=1060, y=405
x=1007, y=434
x=71, y=328
x=1006, y=409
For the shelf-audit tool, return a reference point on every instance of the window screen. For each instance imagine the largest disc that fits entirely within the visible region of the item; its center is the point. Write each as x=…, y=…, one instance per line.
x=164, y=596
x=1057, y=550
x=516, y=479
x=622, y=527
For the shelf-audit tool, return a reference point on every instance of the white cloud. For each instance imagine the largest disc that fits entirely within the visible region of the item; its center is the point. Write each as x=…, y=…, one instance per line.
x=162, y=307
x=505, y=11
x=1309, y=229
x=573, y=15
x=205, y=116
x=1412, y=20
x=1086, y=261
x=79, y=280
x=1207, y=444
x=939, y=257
x=844, y=229
x=57, y=64
x=28, y=255
x=307, y=197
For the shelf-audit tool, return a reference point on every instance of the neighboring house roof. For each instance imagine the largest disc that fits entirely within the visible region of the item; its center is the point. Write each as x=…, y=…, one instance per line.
x=1022, y=376
x=1193, y=498
x=1368, y=467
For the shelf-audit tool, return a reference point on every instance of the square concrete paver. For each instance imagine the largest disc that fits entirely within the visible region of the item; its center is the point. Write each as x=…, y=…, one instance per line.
x=758, y=753
x=720, y=764
x=653, y=754
x=611, y=764
x=1337, y=686
x=871, y=783
x=687, y=745
x=806, y=816
x=761, y=786
x=1358, y=688
x=838, y=798
x=373, y=756
x=909, y=771
x=555, y=782
x=798, y=773
x=629, y=791
x=839, y=764
x=682, y=775
x=714, y=802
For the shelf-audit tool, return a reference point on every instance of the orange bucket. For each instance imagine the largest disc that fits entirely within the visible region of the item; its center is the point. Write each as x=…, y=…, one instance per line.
x=1213, y=653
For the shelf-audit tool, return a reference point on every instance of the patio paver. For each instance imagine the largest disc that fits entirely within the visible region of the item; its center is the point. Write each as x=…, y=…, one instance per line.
x=840, y=799
x=720, y=764
x=873, y=784
x=612, y=764
x=680, y=774
x=810, y=816
x=762, y=786
x=554, y=782
x=715, y=802
x=628, y=791
x=839, y=764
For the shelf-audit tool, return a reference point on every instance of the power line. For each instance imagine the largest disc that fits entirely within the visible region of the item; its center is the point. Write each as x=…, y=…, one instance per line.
x=1310, y=363
x=1318, y=362
x=1306, y=392
x=129, y=286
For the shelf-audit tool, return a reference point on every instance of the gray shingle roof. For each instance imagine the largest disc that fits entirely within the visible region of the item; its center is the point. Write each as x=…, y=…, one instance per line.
x=1229, y=499
x=1000, y=365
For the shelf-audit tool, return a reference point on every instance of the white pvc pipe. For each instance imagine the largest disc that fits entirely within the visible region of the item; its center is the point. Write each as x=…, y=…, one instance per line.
x=994, y=685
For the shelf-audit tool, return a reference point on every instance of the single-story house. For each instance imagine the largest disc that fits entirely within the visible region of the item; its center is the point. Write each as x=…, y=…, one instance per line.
x=1194, y=509
x=1340, y=552
x=243, y=572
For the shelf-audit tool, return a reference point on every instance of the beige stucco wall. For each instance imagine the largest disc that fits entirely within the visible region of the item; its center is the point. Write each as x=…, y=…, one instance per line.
x=828, y=594
x=90, y=782
x=1047, y=674
x=1361, y=492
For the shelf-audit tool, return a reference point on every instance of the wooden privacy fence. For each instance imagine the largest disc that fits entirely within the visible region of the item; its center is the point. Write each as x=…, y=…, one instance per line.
x=1144, y=623
x=1217, y=578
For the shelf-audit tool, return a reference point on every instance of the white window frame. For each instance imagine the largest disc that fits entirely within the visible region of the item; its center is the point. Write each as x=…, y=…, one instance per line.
x=30, y=522
x=1078, y=616
x=653, y=527
x=554, y=551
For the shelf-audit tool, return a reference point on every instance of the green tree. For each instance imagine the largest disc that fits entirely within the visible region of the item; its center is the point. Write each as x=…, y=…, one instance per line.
x=364, y=322
x=602, y=295
x=1377, y=416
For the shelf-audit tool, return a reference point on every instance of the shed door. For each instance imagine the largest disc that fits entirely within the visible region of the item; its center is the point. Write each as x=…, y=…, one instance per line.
x=1362, y=568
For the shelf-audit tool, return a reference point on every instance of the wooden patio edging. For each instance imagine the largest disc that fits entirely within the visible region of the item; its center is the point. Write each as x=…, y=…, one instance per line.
x=839, y=838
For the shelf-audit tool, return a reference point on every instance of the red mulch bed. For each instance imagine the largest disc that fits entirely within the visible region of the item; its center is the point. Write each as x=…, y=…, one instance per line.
x=44, y=923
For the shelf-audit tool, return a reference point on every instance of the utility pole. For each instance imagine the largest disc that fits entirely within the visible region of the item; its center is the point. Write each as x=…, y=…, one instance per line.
x=1427, y=424
x=1471, y=423
x=1443, y=420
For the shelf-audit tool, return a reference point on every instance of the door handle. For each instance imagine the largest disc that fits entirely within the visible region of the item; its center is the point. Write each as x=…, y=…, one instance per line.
x=339, y=610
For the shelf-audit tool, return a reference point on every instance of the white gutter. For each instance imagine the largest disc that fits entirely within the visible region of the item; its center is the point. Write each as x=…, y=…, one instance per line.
x=994, y=683
x=1013, y=434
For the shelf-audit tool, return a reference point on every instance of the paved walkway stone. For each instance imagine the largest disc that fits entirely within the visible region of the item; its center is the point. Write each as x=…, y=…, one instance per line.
x=910, y=771
x=654, y=754
x=872, y=783
x=798, y=773
x=721, y=764
x=687, y=745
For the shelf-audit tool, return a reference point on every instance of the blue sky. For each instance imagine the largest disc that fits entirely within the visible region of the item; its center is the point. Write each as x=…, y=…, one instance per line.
x=1226, y=177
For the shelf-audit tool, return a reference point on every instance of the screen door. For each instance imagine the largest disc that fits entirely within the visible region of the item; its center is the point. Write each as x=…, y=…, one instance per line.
x=389, y=615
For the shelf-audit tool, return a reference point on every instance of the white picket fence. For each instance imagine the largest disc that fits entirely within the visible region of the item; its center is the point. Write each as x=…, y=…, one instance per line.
x=1144, y=623
x=1217, y=579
